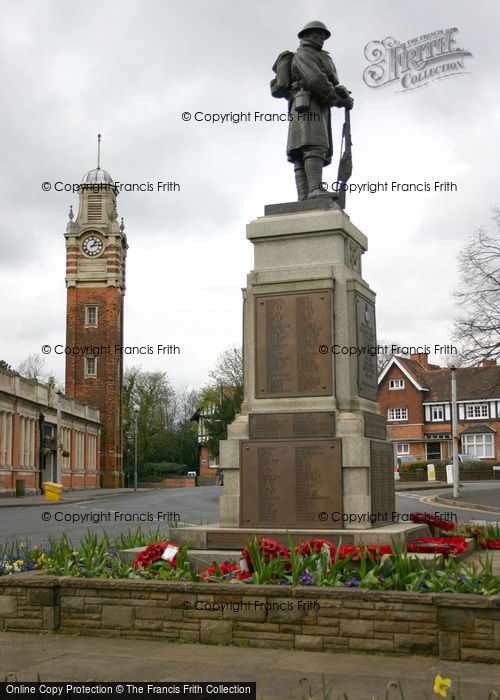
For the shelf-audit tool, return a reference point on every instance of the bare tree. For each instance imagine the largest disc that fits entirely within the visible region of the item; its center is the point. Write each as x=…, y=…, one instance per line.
x=33, y=367
x=477, y=329
x=384, y=357
x=222, y=398
x=229, y=368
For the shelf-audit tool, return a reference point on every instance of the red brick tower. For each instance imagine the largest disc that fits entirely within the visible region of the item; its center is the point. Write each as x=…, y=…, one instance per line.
x=96, y=249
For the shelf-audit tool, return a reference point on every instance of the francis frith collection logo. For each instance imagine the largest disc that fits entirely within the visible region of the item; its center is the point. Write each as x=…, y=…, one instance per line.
x=414, y=63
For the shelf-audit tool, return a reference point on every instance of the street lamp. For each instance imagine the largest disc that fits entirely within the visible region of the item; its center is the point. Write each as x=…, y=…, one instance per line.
x=452, y=365
x=59, y=446
x=135, y=410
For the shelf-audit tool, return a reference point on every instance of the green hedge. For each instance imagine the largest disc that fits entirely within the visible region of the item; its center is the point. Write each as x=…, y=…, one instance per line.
x=157, y=471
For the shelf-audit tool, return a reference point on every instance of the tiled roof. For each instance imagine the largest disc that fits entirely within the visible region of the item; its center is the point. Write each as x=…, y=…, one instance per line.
x=473, y=383
x=480, y=428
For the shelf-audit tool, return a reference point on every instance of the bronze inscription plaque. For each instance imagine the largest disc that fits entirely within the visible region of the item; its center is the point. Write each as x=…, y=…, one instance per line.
x=292, y=425
x=367, y=346
x=289, y=330
x=382, y=482
x=290, y=482
x=375, y=426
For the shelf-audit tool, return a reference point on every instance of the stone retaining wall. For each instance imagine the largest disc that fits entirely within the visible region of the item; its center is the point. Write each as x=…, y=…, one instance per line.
x=453, y=627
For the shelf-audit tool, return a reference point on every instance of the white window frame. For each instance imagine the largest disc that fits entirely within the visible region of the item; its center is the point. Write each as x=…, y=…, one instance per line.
x=86, y=366
x=480, y=445
x=435, y=417
x=403, y=448
x=397, y=414
x=88, y=324
x=395, y=384
x=478, y=410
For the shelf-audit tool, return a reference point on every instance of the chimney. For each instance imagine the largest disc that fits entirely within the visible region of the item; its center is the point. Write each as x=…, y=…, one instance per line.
x=421, y=357
x=489, y=363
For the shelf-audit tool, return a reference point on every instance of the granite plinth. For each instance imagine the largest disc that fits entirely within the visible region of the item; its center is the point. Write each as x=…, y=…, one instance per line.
x=212, y=537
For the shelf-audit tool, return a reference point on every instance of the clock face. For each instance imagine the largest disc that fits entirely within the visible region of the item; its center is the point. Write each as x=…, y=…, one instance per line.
x=92, y=245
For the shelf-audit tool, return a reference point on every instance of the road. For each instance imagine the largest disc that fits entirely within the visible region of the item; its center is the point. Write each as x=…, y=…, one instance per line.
x=114, y=515
x=160, y=508
x=486, y=493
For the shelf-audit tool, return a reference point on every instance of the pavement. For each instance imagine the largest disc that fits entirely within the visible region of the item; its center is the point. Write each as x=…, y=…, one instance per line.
x=76, y=496
x=280, y=674
x=474, y=498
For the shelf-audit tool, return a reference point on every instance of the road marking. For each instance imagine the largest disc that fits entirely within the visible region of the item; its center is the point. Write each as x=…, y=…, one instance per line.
x=428, y=500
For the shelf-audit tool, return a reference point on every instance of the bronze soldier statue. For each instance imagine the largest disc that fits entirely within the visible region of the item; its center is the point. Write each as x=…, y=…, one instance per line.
x=309, y=81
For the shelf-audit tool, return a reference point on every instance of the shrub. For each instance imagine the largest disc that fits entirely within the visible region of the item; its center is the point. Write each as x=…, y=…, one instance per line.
x=161, y=470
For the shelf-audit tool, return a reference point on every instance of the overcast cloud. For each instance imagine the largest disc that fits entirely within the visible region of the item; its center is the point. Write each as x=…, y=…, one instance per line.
x=130, y=69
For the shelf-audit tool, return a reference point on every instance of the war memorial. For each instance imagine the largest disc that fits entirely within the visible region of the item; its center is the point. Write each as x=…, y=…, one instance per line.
x=307, y=455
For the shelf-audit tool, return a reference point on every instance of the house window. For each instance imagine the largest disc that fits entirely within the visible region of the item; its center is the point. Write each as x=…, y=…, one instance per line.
x=437, y=413
x=396, y=384
x=213, y=462
x=91, y=367
x=91, y=315
x=403, y=448
x=397, y=414
x=476, y=410
x=478, y=444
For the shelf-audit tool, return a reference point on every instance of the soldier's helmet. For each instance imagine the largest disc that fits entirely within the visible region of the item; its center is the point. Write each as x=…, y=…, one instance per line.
x=314, y=25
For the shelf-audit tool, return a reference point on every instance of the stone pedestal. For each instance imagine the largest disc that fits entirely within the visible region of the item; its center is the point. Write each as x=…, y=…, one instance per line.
x=308, y=449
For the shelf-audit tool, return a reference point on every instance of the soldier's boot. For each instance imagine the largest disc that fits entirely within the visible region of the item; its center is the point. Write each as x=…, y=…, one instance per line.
x=301, y=181
x=314, y=169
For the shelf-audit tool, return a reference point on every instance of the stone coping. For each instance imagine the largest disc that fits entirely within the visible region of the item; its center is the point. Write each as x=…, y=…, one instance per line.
x=464, y=600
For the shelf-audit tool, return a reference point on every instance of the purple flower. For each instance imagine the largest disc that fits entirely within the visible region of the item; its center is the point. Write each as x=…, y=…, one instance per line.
x=352, y=582
x=307, y=579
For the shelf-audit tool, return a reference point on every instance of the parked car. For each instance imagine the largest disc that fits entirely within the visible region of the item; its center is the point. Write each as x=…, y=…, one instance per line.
x=463, y=459
x=400, y=461
x=404, y=459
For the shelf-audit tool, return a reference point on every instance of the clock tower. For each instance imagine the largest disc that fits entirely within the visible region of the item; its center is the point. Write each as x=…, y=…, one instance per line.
x=96, y=249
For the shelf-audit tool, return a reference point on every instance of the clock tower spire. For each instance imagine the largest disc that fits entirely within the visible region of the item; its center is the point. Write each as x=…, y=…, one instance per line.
x=96, y=249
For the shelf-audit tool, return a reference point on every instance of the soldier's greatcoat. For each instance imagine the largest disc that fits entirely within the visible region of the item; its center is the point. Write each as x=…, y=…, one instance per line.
x=312, y=69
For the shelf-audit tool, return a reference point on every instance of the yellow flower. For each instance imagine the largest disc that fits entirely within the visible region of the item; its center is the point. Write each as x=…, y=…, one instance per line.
x=441, y=685
x=19, y=562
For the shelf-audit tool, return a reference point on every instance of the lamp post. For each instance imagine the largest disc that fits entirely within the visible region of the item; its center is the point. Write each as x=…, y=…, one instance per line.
x=58, y=438
x=136, y=410
x=453, y=364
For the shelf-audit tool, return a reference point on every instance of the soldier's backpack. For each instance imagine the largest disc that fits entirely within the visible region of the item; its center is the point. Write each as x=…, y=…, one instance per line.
x=281, y=84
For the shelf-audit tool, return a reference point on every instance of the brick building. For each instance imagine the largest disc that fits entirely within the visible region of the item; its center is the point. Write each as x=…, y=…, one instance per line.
x=96, y=249
x=415, y=397
x=28, y=436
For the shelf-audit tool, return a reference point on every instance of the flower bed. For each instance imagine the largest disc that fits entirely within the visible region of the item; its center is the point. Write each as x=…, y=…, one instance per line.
x=319, y=562
x=315, y=562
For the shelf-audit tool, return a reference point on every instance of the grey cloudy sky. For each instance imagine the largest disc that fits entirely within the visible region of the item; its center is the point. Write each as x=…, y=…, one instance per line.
x=132, y=68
